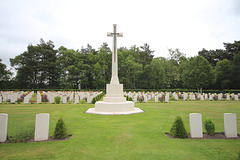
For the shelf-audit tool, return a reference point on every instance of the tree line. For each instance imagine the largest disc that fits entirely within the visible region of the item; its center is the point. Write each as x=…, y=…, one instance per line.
x=42, y=66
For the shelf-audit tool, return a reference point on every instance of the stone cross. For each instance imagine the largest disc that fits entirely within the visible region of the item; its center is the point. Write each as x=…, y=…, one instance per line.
x=114, y=79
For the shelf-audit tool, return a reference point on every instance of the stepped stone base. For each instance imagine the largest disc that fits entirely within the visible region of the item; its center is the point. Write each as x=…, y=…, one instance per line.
x=114, y=108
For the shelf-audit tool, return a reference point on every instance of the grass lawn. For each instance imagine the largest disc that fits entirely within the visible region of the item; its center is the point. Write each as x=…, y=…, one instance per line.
x=137, y=136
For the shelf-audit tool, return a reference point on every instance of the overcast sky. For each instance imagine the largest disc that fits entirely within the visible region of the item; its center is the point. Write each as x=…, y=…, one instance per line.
x=188, y=25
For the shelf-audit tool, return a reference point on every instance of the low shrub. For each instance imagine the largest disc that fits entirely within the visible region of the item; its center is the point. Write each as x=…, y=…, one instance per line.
x=57, y=99
x=97, y=98
x=94, y=100
x=178, y=130
x=209, y=126
x=130, y=99
x=33, y=99
x=82, y=101
x=22, y=133
x=171, y=98
x=60, y=131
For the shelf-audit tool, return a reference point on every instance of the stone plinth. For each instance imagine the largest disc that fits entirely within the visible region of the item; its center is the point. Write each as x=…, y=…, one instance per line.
x=3, y=127
x=102, y=106
x=114, y=93
x=41, y=127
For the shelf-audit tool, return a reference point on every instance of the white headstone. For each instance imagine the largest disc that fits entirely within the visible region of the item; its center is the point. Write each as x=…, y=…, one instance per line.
x=149, y=96
x=3, y=127
x=71, y=97
x=153, y=95
x=76, y=99
x=26, y=100
x=42, y=127
x=201, y=98
x=51, y=99
x=89, y=98
x=230, y=125
x=206, y=96
x=135, y=99
x=0, y=99
x=167, y=97
x=185, y=96
x=145, y=98
x=220, y=96
x=156, y=98
x=175, y=96
x=195, y=120
x=4, y=97
x=12, y=99
x=211, y=97
x=236, y=97
x=39, y=97
x=64, y=100
x=193, y=97
x=228, y=97
x=232, y=95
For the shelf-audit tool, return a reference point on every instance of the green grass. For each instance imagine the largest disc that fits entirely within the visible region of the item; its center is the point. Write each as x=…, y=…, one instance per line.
x=134, y=137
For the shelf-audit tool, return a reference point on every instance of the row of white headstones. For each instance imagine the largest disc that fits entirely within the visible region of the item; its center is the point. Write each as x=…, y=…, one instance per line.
x=195, y=119
x=230, y=125
x=192, y=96
x=13, y=96
x=63, y=95
x=41, y=127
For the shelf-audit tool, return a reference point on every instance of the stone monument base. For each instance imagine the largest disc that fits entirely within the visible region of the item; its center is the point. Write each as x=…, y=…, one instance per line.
x=114, y=108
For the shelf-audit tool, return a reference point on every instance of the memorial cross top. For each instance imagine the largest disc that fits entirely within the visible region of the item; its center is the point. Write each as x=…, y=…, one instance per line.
x=114, y=35
x=114, y=79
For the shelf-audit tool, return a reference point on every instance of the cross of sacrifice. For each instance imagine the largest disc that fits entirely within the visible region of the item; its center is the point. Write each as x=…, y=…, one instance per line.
x=114, y=78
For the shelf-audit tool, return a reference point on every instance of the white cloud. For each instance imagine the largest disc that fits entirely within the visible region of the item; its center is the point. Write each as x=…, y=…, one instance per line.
x=187, y=25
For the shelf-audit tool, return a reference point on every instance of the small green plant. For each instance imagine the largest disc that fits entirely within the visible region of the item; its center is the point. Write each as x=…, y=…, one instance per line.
x=33, y=99
x=57, y=99
x=22, y=133
x=60, y=131
x=130, y=99
x=178, y=130
x=94, y=100
x=83, y=101
x=209, y=126
x=171, y=98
